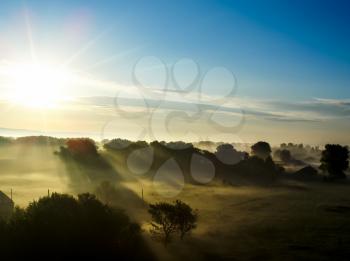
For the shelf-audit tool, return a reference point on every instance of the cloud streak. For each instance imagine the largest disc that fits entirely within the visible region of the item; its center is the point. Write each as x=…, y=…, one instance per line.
x=311, y=111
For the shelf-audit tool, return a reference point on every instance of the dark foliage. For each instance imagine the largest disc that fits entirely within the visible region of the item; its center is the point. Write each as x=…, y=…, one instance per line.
x=61, y=227
x=335, y=160
x=116, y=144
x=163, y=221
x=169, y=219
x=307, y=173
x=32, y=140
x=186, y=218
x=256, y=170
x=301, y=153
x=287, y=158
x=261, y=149
x=161, y=152
x=228, y=162
x=227, y=154
x=81, y=147
x=84, y=164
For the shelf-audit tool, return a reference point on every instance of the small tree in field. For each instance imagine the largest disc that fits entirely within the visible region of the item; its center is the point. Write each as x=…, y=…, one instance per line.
x=164, y=221
x=186, y=218
x=335, y=160
x=169, y=219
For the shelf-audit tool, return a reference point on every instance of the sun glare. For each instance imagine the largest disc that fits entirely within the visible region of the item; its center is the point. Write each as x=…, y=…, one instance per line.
x=38, y=85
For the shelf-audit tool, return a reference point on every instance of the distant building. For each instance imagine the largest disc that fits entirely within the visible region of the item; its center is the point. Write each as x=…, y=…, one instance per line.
x=6, y=206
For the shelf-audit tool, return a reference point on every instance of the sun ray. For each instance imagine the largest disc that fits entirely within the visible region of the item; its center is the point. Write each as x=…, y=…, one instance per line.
x=112, y=58
x=30, y=35
x=85, y=48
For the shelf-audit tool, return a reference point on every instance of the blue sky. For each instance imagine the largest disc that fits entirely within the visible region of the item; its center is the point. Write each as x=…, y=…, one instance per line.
x=280, y=51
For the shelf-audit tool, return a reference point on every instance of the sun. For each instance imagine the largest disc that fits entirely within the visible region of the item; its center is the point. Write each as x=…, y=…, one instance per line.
x=40, y=85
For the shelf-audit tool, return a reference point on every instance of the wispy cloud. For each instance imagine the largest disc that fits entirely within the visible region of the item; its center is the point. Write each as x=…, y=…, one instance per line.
x=315, y=110
x=339, y=102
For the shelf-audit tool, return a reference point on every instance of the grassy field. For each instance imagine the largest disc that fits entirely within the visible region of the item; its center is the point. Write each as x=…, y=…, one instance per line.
x=305, y=222
x=30, y=171
x=287, y=221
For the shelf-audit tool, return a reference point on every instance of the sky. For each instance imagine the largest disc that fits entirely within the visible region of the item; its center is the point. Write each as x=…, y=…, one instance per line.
x=235, y=71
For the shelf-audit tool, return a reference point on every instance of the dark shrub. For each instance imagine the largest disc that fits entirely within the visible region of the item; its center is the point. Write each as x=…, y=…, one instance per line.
x=61, y=226
x=335, y=160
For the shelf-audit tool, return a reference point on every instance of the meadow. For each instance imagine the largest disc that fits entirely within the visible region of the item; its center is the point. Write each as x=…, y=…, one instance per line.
x=290, y=220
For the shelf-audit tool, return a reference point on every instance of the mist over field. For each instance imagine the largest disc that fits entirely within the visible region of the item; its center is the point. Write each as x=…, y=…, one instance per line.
x=30, y=171
x=292, y=213
x=174, y=130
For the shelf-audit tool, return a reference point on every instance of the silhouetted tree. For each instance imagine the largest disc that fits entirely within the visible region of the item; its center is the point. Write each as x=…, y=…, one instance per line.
x=261, y=149
x=118, y=144
x=84, y=163
x=307, y=173
x=335, y=160
x=227, y=154
x=81, y=147
x=164, y=221
x=39, y=140
x=169, y=219
x=186, y=218
x=285, y=156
